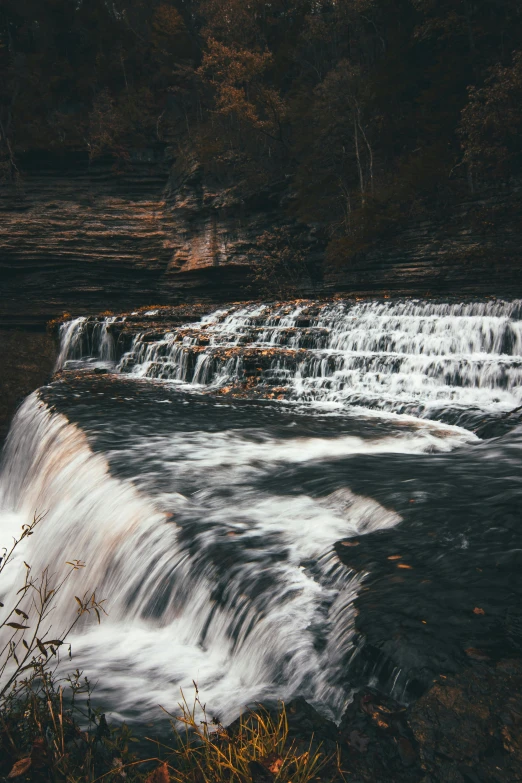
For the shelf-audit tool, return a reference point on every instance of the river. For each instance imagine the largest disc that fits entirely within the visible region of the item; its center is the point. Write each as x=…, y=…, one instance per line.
x=235, y=485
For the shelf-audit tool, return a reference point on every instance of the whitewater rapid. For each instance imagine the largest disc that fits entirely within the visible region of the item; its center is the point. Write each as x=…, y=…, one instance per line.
x=209, y=525
x=426, y=359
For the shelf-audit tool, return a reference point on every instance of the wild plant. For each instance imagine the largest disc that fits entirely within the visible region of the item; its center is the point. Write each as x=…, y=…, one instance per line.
x=50, y=731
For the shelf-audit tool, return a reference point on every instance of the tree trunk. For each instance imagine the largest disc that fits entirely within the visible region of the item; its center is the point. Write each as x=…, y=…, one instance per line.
x=359, y=164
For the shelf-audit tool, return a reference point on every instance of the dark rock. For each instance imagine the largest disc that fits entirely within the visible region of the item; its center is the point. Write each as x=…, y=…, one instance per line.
x=514, y=626
x=469, y=727
x=306, y=723
x=27, y=358
x=259, y=773
x=376, y=741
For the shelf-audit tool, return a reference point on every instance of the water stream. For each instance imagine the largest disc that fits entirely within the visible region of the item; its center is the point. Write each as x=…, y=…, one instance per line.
x=209, y=518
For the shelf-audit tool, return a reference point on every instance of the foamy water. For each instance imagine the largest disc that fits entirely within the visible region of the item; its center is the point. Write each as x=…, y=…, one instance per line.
x=212, y=535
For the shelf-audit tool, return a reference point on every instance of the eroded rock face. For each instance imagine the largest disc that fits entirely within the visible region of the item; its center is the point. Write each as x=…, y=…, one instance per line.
x=84, y=236
x=465, y=729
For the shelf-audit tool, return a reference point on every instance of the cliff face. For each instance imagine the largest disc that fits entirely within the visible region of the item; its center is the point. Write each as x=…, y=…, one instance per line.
x=75, y=237
x=82, y=238
x=28, y=358
x=475, y=250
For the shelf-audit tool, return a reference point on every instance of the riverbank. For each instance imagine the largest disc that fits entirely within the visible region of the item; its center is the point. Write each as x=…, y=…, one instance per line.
x=466, y=728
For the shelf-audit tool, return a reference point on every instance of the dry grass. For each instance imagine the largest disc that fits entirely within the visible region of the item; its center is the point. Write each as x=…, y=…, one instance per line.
x=257, y=746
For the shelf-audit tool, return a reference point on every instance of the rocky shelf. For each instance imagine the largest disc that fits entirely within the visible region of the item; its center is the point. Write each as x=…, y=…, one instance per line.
x=82, y=237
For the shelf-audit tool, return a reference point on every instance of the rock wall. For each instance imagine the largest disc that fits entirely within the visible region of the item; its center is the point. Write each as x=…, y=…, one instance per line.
x=27, y=358
x=85, y=237
x=476, y=251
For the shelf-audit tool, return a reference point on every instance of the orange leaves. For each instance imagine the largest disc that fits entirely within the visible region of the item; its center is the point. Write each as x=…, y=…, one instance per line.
x=232, y=65
x=274, y=763
x=159, y=775
x=404, y=566
x=237, y=74
x=20, y=768
x=478, y=611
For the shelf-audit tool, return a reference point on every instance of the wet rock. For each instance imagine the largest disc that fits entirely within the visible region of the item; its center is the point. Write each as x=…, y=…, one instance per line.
x=305, y=722
x=259, y=773
x=468, y=728
x=514, y=626
x=27, y=358
x=376, y=741
x=458, y=599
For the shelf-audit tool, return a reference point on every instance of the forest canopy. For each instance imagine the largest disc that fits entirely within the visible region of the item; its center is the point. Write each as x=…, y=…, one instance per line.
x=369, y=109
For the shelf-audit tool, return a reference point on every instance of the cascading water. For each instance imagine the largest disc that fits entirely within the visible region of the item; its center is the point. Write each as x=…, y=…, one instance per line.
x=77, y=341
x=408, y=357
x=209, y=522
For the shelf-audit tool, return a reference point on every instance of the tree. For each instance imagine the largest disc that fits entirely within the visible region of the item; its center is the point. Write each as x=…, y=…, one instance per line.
x=491, y=126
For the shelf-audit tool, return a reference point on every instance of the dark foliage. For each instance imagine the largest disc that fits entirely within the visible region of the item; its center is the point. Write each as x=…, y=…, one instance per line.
x=373, y=110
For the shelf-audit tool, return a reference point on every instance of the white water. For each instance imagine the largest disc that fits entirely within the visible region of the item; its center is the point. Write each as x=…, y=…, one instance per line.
x=413, y=357
x=77, y=341
x=210, y=574
x=245, y=631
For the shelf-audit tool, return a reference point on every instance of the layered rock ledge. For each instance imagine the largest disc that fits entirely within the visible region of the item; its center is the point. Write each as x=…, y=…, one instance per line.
x=82, y=236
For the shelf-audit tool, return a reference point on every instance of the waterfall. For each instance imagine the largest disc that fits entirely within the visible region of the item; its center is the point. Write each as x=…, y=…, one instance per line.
x=247, y=632
x=82, y=339
x=419, y=358
x=210, y=525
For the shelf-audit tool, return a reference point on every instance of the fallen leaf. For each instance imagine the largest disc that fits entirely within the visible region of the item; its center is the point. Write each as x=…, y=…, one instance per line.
x=395, y=557
x=274, y=763
x=349, y=543
x=20, y=768
x=403, y=565
x=477, y=610
x=159, y=775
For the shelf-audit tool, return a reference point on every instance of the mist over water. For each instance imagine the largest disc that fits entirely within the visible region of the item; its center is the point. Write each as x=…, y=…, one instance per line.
x=209, y=523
